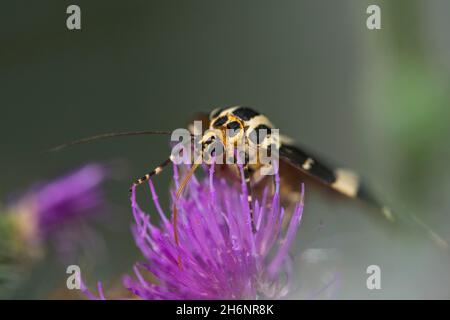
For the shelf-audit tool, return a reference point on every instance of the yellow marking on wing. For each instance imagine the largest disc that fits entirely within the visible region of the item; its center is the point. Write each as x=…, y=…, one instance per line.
x=308, y=164
x=346, y=182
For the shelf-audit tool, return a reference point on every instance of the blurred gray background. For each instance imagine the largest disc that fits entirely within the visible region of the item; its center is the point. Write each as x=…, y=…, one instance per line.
x=375, y=101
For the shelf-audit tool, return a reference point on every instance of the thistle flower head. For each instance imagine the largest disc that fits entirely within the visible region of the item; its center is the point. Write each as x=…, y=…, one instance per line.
x=221, y=258
x=47, y=209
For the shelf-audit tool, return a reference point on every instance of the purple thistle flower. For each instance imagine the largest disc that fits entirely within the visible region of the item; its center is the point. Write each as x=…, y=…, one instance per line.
x=220, y=256
x=51, y=209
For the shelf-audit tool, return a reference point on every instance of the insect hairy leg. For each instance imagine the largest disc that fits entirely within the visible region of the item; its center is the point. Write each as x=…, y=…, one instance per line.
x=155, y=171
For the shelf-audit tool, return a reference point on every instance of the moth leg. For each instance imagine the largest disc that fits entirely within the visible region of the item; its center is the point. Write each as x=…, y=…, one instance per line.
x=249, y=195
x=155, y=171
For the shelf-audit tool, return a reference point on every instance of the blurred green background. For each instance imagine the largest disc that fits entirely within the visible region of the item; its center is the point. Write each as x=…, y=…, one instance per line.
x=376, y=101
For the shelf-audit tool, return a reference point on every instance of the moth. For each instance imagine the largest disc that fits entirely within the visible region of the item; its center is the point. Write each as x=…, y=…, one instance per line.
x=295, y=163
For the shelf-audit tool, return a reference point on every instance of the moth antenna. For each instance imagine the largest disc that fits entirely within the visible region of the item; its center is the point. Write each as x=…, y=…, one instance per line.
x=107, y=136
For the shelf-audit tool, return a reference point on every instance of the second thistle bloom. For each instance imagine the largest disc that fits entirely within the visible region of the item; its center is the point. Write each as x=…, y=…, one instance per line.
x=53, y=210
x=221, y=258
